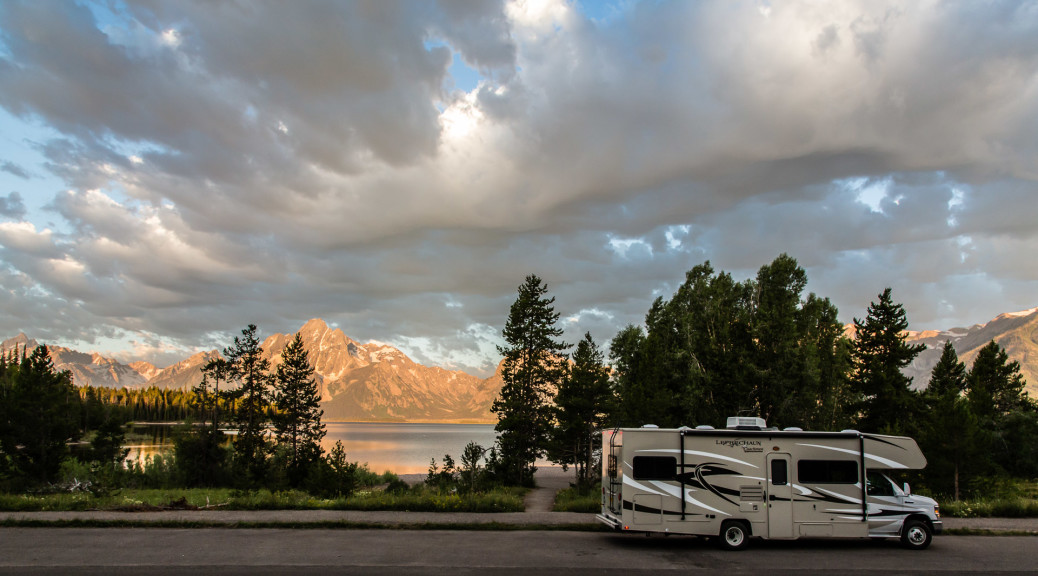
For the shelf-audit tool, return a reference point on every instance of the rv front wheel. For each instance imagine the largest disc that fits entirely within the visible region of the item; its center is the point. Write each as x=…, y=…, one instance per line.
x=916, y=535
x=734, y=535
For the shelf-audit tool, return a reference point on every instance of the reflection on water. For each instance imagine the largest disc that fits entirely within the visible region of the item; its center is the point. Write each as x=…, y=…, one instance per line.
x=400, y=448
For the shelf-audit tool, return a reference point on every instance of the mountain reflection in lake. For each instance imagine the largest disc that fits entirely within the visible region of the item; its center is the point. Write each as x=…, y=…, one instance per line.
x=400, y=448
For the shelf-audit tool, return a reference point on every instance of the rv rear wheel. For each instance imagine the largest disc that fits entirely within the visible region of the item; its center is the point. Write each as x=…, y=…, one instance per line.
x=916, y=535
x=735, y=535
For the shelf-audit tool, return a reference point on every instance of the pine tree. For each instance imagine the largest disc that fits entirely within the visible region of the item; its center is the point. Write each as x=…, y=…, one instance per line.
x=248, y=367
x=949, y=435
x=42, y=416
x=297, y=421
x=994, y=386
x=880, y=353
x=207, y=392
x=533, y=367
x=583, y=401
x=995, y=393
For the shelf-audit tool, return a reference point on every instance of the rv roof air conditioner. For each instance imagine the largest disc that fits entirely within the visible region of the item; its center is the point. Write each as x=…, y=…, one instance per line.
x=745, y=423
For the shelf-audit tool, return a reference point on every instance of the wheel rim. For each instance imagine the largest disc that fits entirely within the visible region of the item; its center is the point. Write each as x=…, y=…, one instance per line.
x=916, y=535
x=734, y=536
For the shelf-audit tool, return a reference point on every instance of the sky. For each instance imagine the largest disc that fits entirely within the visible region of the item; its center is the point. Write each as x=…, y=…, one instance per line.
x=172, y=171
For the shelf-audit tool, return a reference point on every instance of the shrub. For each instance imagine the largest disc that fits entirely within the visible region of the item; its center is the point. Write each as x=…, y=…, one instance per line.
x=577, y=500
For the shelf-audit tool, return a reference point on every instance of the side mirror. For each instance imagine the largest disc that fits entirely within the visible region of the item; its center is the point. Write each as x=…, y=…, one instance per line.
x=907, y=489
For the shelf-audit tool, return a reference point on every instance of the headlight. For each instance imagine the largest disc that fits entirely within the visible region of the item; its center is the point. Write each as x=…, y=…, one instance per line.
x=936, y=510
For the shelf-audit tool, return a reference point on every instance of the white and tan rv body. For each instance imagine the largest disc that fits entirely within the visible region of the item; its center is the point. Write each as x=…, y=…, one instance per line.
x=779, y=484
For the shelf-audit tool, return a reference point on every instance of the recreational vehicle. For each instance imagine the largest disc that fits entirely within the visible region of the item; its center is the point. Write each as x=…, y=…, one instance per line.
x=749, y=480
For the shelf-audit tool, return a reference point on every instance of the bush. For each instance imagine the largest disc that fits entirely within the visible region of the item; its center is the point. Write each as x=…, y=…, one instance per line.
x=576, y=500
x=201, y=458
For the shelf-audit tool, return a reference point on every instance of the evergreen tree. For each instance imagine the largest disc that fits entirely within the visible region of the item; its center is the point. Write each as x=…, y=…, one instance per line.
x=995, y=387
x=582, y=404
x=41, y=416
x=251, y=371
x=949, y=434
x=200, y=455
x=995, y=393
x=880, y=353
x=532, y=368
x=207, y=395
x=297, y=421
x=107, y=446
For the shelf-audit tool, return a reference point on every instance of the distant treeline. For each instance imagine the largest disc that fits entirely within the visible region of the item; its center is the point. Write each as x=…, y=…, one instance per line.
x=141, y=405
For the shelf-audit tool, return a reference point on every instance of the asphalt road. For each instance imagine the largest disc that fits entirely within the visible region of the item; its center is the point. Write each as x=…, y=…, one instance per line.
x=85, y=551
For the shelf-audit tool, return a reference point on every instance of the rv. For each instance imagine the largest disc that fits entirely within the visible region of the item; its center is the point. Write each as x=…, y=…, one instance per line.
x=747, y=480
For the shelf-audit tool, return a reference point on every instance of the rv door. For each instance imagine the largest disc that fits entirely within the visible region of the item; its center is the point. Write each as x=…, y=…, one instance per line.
x=780, y=496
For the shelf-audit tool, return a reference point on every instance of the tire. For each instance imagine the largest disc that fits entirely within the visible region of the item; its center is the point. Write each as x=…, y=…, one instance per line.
x=735, y=535
x=916, y=535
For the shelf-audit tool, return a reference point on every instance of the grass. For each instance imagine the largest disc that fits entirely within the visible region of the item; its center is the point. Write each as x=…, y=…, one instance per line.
x=330, y=525
x=573, y=500
x=1005, y=498
x=991, y=508
x=415, y=500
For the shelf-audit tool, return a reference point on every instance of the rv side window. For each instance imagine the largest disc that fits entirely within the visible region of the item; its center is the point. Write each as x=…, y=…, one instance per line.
x=827, y=471
x=655, y=467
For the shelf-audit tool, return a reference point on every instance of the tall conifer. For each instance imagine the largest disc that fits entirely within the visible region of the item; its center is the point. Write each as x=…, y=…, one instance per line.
x=888, y=404
x=297, y=420
x=533, y=367
x=248, y=367
x=582, y=404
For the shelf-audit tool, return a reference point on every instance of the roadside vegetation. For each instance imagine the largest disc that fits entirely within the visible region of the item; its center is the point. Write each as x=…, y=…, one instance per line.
x=1003, y=499
x=716, y=348
x=574, y=499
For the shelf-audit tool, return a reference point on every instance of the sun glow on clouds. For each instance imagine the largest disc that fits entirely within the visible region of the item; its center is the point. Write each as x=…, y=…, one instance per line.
x=461, y=119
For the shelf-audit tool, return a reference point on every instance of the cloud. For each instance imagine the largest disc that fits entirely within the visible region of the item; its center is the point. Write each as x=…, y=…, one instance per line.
x=11, y=206
x=14, y=169
x=268, y=163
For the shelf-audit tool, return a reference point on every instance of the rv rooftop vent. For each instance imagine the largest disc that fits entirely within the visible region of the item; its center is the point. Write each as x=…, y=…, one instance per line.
x=704, y=427
x=649, y=426
x=745, y=423
x=793, y=429
x=849, y=430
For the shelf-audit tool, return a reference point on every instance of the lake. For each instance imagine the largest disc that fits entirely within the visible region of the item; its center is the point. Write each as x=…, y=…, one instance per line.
x=399, y=448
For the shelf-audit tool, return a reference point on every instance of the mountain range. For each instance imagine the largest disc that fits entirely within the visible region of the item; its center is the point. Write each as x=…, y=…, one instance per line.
x=358, y=382
x=377, y=382
x=1015, y=332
